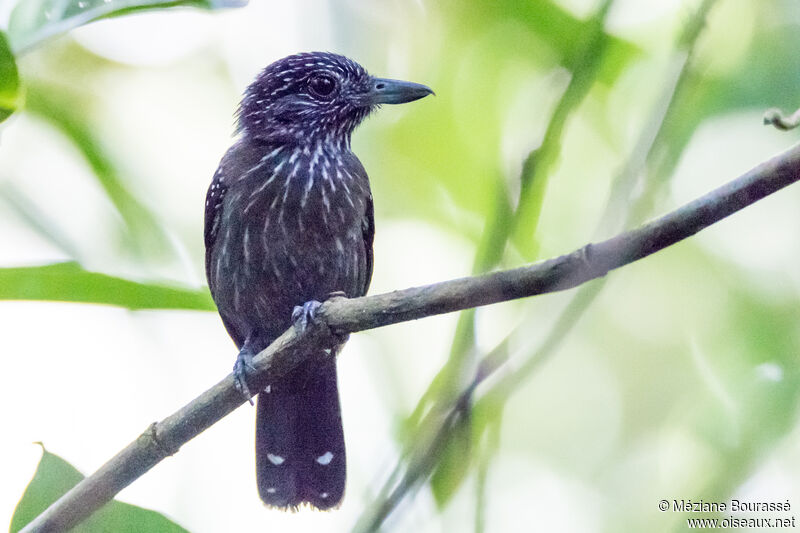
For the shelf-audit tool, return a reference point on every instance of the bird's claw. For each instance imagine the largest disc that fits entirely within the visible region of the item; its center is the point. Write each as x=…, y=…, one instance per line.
x=302, y=314
x=243, y=365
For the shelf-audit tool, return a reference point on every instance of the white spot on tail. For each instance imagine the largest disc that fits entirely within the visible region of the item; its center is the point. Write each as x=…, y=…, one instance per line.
x=277, y=460
x=325, y=459
x=268, y=389
x=271, y=490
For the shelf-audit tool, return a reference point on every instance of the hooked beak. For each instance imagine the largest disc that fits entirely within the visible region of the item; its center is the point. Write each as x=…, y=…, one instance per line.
x=385, y=91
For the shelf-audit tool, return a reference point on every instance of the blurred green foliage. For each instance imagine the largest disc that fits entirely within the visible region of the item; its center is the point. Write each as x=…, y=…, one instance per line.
x=9, y=79
x=585, y=63
x=685, y=114
x=488, y=51
x=54, y=477
x=517, y=157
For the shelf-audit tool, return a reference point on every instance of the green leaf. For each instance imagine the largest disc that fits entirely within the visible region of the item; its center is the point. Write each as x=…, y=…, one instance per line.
x=33, y=21
x=454, y=461
x=68, y=282
x=9, y=79
x=54, y=477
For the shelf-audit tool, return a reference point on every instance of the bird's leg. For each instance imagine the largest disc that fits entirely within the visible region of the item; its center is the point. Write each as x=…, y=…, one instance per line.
x=243, y=365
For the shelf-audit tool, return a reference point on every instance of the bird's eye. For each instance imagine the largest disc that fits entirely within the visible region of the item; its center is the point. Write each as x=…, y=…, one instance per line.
x=322, y=86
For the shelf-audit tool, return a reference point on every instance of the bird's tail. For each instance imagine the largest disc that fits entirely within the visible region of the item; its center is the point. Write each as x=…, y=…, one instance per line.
x=300, y=454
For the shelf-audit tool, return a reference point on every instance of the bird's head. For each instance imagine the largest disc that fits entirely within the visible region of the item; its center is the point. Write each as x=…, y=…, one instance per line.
x=317, y=96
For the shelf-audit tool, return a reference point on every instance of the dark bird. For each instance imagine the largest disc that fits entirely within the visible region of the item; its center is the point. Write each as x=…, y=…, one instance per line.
x=288, y=222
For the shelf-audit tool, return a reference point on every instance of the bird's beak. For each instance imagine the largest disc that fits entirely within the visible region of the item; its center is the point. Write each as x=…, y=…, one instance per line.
x=385, y=91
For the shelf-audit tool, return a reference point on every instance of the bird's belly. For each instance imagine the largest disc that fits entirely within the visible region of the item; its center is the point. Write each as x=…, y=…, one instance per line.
x=272, y=261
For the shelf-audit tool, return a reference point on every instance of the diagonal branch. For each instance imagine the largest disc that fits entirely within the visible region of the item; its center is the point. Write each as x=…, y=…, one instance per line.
x=341, y=315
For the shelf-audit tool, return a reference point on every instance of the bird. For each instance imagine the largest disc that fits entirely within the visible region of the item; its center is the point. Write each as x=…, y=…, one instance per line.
x=288, y=223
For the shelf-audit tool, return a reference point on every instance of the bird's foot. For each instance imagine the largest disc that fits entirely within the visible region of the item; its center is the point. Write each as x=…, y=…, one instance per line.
x=243, y=365
x=302, y=314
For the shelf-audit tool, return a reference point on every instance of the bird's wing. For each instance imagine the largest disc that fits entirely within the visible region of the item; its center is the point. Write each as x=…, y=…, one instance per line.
x=368, y=231
x=214, y=197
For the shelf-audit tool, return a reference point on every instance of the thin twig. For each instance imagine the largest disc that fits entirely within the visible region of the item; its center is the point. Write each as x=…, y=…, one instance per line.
x=342, y=315
x=776, y=117
x=437, y=428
